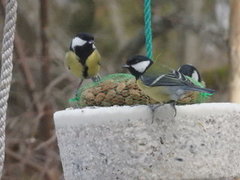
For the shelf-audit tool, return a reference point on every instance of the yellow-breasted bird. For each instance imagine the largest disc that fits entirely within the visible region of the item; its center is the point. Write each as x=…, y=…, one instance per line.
x=163, y=85
x=83, y=59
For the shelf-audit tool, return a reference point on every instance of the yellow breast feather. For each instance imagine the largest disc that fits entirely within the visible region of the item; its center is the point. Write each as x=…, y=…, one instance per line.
x=157, y=93
x=73, y=64
x=93, y=63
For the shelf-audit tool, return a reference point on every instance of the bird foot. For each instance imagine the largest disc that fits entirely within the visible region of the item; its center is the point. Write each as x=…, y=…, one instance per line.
x=153, y=107
x=173, y=105
x=96, y=78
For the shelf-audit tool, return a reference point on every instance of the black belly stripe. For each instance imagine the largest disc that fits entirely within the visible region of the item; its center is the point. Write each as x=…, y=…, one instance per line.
x=85, y=72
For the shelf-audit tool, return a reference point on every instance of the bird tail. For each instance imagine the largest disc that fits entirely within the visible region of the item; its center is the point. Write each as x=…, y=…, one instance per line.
x=204, y=90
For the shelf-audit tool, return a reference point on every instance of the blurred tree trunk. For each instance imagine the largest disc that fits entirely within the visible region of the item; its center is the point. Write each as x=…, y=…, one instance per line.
x=117, y=21
x=44, y=42
x=192, y=41
x=235, y=51
x=46, y=121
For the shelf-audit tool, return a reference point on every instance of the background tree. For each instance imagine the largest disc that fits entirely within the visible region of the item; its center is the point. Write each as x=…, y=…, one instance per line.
x=234, y=34
x=41, y=85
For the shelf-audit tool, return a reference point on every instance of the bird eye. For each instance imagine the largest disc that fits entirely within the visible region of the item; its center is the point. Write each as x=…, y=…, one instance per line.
x=91, y=42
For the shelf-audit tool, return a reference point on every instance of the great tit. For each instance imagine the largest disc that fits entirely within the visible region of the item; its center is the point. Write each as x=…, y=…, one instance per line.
x=83, y=59
x=165, y=85
x=194, y=76
x=192, y=72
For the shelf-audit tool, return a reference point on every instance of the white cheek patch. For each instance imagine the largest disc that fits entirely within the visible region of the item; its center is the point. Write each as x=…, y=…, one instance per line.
x=195, y=75
x=93, y=46
x=141, y=66
x=78, y=42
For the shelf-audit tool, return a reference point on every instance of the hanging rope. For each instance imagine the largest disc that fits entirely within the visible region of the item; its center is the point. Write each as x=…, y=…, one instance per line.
x=6, y=71
x=148, y=28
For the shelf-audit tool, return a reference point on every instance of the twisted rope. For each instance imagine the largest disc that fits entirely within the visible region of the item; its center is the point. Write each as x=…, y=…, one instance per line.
x=148, y=28
x=6, y=71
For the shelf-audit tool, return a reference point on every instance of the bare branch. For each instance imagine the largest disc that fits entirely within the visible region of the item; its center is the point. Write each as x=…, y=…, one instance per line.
x=44, y=42
x=25, y=161
x=54, y=83
x=161, y=25
x=136, y=43
x=46, y=143
x=27, y=74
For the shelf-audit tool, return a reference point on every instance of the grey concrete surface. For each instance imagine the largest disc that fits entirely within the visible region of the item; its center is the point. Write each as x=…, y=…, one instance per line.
x=105, y=143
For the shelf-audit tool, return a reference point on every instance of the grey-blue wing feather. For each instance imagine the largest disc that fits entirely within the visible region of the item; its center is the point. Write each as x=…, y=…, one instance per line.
x=174, y=78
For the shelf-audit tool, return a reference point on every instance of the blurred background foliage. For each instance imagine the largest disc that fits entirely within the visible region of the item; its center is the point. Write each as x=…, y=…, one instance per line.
x=186, y=31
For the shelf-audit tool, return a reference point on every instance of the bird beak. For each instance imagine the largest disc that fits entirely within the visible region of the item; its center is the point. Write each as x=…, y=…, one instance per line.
x=125, y=66
x=91, y=42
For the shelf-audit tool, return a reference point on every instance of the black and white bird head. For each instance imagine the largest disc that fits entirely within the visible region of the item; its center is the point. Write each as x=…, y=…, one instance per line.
x=137, y=65
x=190, y=71
x=82, y=45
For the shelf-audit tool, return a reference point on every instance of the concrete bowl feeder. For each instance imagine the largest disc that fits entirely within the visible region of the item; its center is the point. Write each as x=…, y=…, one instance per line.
x=134, y=142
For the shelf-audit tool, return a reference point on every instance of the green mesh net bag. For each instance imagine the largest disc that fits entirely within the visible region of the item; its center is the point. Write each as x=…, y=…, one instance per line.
x=121, y=89
x=113, y=89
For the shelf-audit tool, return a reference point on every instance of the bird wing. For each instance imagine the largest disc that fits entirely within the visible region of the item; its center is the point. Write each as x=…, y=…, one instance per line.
x=174, y=78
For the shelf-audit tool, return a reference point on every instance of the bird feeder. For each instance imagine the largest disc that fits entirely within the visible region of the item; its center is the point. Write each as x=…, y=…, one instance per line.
x=146, y=142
